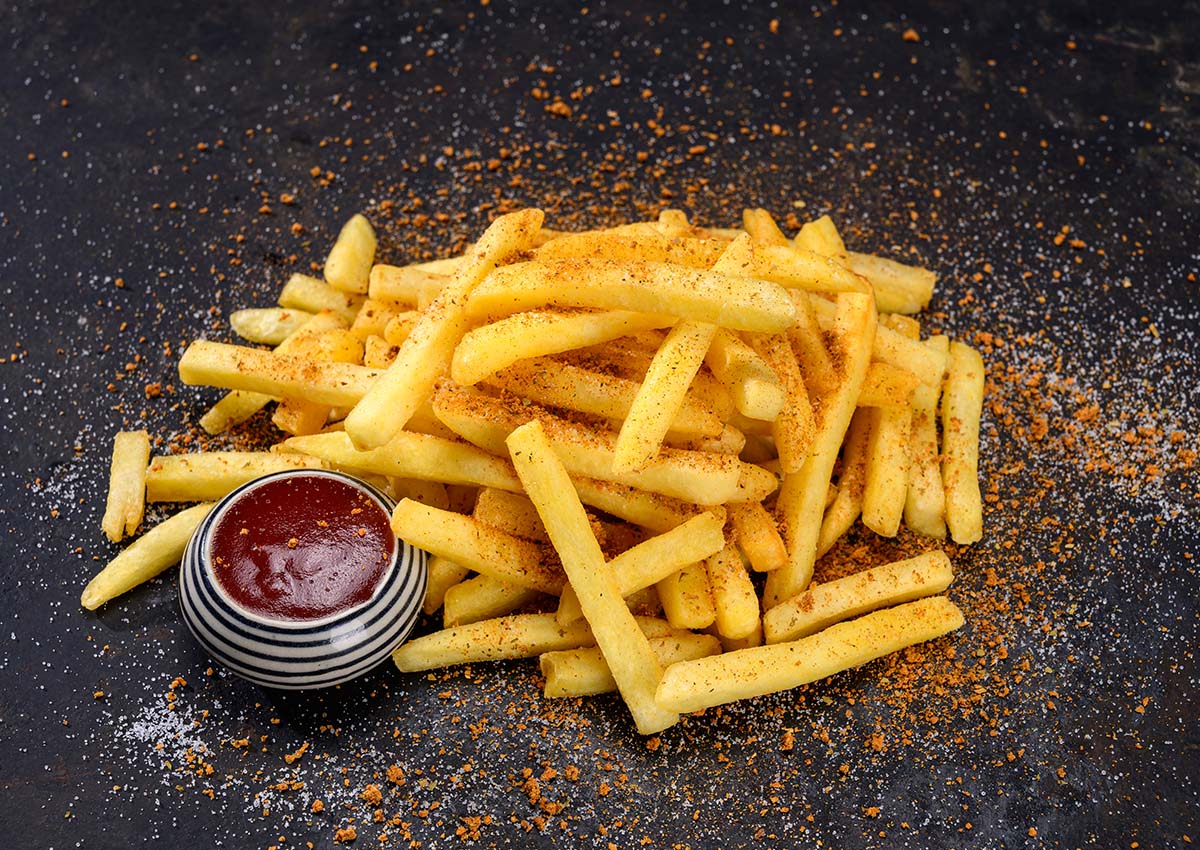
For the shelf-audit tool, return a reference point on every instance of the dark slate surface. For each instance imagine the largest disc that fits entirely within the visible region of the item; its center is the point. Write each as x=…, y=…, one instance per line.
x=1082, y=733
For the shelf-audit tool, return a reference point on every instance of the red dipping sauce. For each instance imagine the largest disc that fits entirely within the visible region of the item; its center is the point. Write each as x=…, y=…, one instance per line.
x=301, y=547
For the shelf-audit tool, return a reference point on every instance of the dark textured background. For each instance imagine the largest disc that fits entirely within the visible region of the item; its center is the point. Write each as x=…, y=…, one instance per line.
x=1084, y=731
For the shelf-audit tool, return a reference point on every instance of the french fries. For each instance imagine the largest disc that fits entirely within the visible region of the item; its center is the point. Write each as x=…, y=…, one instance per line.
x=126, y=485
x=723, y=401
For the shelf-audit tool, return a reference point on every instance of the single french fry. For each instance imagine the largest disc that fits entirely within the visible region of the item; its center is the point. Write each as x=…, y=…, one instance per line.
x=348, y=266
x=925, y=502
x=901, y=324
x=796, y=268
x=556, y=384
x=795, y=425
x=756, y=390
x=443, y=575
x=502, y=639
x=878, y=587
x=144, y=558
x=801, y=503
x=512, y=512
x=704, y=296
x=409, y=285
x=962, y=406
x=730, y=441
x=425, y=355
x=652, y=511
x=733, y=594
x=207, y=476
x=658, y=248
x=674, y=223
x=822, y=237
x=888, y=386
x=236, y=367
x=758, y=537
x=652, y=560
x=687, y=598
x=303, y=292
x=886, y=484
x=126, y=485
x=762, y=227
x=631, y=660
x=482, y=598
x=898, y=288
x=718, y=679
x=847, y=503
x=661, y=395
x=703, y=478
x=490, y=348
x=808, y=342
x=584, y=672
x=483, y=548
x=267, y=325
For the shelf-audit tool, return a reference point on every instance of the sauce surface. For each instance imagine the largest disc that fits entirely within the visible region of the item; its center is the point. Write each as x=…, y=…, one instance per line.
x=301, y=547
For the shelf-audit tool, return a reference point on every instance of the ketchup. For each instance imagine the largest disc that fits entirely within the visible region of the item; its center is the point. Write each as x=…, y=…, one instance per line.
x=301, y=547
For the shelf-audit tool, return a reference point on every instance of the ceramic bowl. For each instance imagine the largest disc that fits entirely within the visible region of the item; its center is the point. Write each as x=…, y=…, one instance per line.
x=300, y=653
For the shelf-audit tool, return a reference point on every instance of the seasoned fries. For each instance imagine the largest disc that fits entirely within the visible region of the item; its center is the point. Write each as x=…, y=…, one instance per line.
x=726, y=403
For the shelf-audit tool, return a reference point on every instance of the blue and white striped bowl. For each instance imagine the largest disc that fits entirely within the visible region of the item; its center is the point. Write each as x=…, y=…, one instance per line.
x=302, y=654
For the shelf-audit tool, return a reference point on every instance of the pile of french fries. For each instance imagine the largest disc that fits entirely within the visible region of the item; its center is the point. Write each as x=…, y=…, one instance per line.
x=625, y=449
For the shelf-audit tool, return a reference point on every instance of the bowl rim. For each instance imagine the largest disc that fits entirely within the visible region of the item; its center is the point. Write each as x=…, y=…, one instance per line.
x=198, y=550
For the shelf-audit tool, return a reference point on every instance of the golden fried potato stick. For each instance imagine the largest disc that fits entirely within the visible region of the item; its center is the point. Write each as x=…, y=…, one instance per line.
x=652, y=247
x=962, y=406
x=126, y=485
x=878, y=587
x=888, y=386
x=886, y=486
x=348, y=266
x=718, y=679
x=144, y=558
x=633, y=663
x=762, y=227
x=302, y=292
x=584, y=672
x=490, y=348
x=483, y=548
x=821, y=237
x=208, y=476
x=443, y=575
x=482, y=598
x=733, y=594
x=504, y=638
x=267, y=325
x=722, y=299
x=755, y=533
x=407, y=285
x=808, y=342
x=236, y=367
x=898, y=288
x=425, y=355
x=687, y=598
x=925, y=502
x=802, y=498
